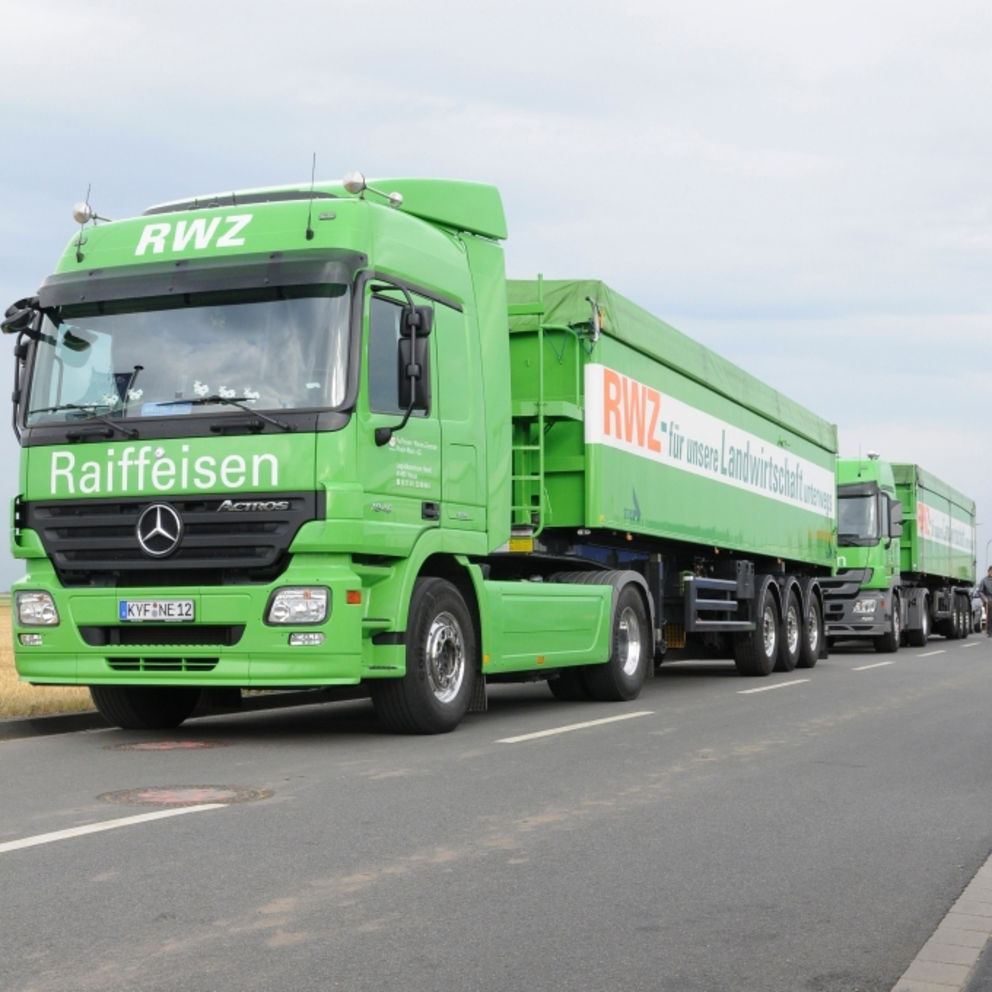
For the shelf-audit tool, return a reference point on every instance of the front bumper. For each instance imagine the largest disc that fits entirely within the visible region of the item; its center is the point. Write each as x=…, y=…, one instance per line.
x=866, y=614
x=228, y=644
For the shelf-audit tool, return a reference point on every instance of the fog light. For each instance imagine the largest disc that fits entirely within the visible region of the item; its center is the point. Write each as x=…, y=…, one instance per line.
x=36, y=609
x=30, y=640
x=309, y=638
x=298, y=605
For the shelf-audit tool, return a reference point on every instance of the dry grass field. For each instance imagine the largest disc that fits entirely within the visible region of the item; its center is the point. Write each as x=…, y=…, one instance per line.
x=21, y=699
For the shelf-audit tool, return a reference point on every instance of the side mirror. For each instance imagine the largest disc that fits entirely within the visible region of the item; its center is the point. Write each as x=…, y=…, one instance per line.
x=895, y=518
x=20, y=316
x=413, y=374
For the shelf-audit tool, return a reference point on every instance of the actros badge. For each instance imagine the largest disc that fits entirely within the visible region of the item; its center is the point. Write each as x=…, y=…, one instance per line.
x=160, y=529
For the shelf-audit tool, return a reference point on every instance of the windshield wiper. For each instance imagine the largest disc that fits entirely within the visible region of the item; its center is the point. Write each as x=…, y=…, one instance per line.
x=89, y=408
x=241, y=403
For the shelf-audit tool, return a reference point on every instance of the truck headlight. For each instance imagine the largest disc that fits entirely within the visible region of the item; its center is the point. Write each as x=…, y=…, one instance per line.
x=36, y=609
x=298, y=605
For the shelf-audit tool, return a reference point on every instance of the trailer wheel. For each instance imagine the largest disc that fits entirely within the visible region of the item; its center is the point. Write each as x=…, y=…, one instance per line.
x=952, y=625
x=889, y=641
x=812, y=639
x=918, y=638
x=965, y=615
x=622, y=677
x=755, y=650
x=434, y=694
x=141, y=707
x=791, y=635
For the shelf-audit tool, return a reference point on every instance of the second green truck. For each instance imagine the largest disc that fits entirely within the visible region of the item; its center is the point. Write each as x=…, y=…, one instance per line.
x=905, y=555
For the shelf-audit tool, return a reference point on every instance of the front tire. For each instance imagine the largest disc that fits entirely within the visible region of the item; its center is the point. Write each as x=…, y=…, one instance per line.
x=434, y=694
x=889, y=641
x=141, y=707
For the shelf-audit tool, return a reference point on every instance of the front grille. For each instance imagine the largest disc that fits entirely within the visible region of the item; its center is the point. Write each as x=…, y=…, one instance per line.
x=94, y=542
x=162, y=664
x=164, y=635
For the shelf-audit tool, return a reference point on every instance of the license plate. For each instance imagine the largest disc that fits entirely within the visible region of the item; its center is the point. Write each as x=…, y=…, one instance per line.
x=155, y=609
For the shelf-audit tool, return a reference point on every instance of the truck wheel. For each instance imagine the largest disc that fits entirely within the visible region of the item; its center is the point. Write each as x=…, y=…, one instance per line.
x=755, y=650
x=812, y=634
x=889, y=641
x=791, y=635
x=141, y=707
x=965, y=616
x=918, y=638
x=953, y=622
x=433, y=695
x=622, y=677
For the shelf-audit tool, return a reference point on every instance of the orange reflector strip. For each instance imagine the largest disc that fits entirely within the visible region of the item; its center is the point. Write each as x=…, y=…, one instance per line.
x=353, y=597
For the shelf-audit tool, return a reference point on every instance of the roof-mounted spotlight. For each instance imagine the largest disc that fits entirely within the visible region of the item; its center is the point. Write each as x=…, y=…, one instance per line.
x=355, y=182
x=83, y=213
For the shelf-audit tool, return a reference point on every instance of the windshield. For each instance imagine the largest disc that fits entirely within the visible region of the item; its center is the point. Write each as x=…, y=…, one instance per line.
x=857, y=520
x=279, y=348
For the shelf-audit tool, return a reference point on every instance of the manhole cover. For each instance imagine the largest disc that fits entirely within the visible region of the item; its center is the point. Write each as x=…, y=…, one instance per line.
x=185, y=795
x=165, y=745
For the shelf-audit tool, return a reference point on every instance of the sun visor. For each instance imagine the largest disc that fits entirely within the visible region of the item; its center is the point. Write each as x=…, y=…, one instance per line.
x=198, y=276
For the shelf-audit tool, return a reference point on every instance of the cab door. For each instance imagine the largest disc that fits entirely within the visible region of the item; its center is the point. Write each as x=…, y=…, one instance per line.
x=401, y=478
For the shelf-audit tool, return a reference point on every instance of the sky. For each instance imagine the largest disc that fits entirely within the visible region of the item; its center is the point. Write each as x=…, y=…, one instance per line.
x=806, y=189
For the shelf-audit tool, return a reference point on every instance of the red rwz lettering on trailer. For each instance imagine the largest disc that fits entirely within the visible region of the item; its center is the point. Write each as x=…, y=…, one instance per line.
x=631, y=411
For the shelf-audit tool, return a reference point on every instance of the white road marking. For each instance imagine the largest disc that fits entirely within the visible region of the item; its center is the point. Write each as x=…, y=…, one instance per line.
x=878, y=664
x=769, y=688
x=930, y=654
x=93, y=828
x=970, y=644
x=573, y=726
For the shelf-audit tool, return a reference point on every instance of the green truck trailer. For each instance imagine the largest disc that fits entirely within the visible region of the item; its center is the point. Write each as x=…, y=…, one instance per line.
x=311, y=437
x=905, y=557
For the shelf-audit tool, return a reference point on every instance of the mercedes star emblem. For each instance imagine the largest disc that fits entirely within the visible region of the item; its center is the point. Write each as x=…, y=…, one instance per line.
x=159, y=530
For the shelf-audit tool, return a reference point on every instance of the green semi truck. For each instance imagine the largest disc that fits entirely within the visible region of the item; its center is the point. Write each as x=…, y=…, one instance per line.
x=905, y=556
x=312, y=436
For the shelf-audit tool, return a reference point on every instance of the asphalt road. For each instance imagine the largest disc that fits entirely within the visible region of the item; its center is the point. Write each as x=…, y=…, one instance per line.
x=809, y=835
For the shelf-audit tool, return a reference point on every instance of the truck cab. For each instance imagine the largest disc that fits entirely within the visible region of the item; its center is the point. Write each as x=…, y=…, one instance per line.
x=905, y=555
x=862, y=598
x=265, y=443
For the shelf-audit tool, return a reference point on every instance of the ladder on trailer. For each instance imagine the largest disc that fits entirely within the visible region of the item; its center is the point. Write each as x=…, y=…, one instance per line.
x=534, y=416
